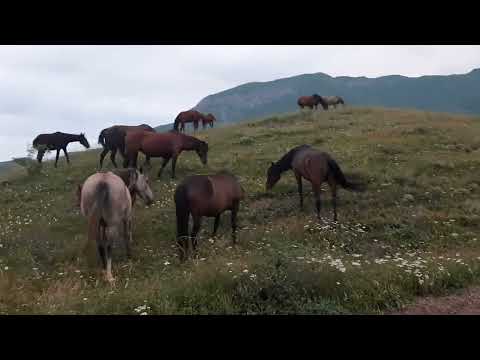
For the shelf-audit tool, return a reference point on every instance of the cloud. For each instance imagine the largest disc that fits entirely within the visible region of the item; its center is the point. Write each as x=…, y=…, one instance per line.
x=87, y=88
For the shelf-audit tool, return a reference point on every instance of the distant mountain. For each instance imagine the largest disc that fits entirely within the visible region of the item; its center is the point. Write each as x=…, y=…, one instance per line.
x=450, y=93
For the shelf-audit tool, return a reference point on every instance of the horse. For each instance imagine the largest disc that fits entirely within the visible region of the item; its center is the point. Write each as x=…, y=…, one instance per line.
x=311, y=102
x=333, y=100
x=188, y=116
x=165, y=145
x=106, y=202
x=113, y=139
x=208, y=119
x=57, y=141
x=316, y=167
x=129, y=177
x=205, y=195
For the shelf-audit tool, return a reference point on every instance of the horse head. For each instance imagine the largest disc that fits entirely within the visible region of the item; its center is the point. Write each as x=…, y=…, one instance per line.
x=83, y=140
x=202, y=151
x=140, y=183
x=319, y=99
x=273, y=175
x=212, y=119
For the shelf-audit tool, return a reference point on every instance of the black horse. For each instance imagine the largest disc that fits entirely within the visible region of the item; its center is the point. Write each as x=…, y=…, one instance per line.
x=57, y=141
x=113, y=139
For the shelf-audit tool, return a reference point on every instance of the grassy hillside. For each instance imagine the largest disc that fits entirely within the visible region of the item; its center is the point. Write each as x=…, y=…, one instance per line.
x=413, y=233
x=452, y=93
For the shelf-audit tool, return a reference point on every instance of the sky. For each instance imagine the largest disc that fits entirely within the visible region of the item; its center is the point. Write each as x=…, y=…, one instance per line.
x=77, y=89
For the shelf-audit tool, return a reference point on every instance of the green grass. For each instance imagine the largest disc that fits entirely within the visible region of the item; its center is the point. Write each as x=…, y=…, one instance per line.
x=387, y=249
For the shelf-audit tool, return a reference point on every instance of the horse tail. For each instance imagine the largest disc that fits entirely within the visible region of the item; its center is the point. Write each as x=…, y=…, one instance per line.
x=96, y=218
x=340, y=178
x=182, y=211
x=102, y=197
x=101, y=138
x=176, y=122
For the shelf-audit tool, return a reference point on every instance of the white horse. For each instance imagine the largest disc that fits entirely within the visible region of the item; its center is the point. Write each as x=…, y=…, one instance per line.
x=106, y=201
x=333, y=100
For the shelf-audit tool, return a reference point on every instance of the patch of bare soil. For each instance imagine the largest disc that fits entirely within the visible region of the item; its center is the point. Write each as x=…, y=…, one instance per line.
x=466, y=302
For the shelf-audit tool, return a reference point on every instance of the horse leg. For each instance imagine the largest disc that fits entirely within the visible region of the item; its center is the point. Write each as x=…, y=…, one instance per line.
x=317, y=192
x=112, y=157
x=300, y=190
x=234, y=221
x=101, y=239
x=108, y=254
x=197, y=221
x=66, y=155
x=333, y=188
x=131, y=160
x=127, y=234
x=147, y=161
x=165, y=162
x=215, y=225
x=56, y=159
x=174, y=163
x=102, y=156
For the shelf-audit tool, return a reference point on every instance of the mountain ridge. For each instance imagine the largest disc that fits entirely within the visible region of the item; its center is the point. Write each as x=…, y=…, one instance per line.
x=455, y=93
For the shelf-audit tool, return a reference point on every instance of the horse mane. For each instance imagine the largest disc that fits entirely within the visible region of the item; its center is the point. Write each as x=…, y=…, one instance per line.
x=285, y=163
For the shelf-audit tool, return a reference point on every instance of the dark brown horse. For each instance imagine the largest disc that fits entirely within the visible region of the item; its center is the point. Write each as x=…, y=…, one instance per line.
x=57, y=141
x=189, y=116
x=315, y=166
x=113, y=139
x=205, y=195
x=311, y=102
x=208, y=119
x=165, y=145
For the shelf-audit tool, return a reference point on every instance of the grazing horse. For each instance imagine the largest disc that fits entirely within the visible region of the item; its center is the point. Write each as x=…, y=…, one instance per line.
x=106, y=202
x=315, y=166
x=113, y=139
x=205, y=195
x=208, y=119
x=165, y=145
x=333, y=100
x=311, y=102
x=189, y=116
x=57, y=141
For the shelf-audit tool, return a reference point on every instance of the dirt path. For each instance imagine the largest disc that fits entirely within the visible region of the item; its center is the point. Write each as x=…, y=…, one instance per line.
x=466, y=302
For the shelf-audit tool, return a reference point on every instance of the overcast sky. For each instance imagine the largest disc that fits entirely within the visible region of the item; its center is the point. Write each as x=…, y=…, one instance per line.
x=87, y=88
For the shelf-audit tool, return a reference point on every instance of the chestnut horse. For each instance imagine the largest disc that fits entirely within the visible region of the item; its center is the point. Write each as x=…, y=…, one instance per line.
x=315, y=166
x=208, y=119
x=57, y=141
x=189, y=116
x=106, y=202
x=165, y=145
x=113, y=139
x=205, y=195
x=311, y=102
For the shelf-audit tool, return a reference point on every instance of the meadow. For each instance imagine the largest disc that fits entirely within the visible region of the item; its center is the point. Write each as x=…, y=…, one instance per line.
x=414, y=232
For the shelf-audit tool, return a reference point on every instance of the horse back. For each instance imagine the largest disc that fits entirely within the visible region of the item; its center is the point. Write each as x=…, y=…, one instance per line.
x=118, y=203
x=312, y=164
x=161, y=144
